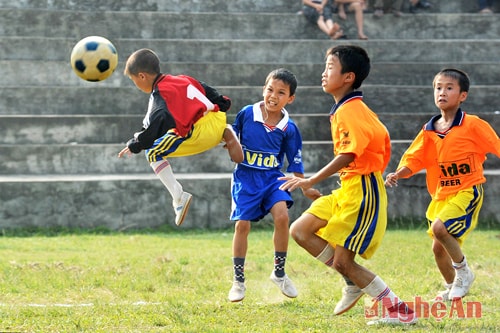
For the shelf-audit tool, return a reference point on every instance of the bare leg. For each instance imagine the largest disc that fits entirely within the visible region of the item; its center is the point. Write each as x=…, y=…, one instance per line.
x=447, y=241
x=357, y=8
x=240, y=239
x=303, y=231
x=281, y=220
x=443, y=261
x=344, y=263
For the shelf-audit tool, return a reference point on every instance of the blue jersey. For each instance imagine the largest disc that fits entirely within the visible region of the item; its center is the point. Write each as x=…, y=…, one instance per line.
x=255, y=185
x=264, y=147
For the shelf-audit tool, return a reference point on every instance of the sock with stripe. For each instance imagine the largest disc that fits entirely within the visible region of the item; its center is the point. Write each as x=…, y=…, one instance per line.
x=164, y=171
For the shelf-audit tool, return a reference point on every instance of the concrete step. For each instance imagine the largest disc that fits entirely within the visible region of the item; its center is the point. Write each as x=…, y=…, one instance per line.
x=117, y=129
x=121, y=202
x=309, y=100
x=221, y=6
x=33, y=50
x=246, y=25
x=81, y=159
x=48, y=73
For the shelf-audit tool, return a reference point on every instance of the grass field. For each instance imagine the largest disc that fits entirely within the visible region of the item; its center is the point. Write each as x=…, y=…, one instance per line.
x=177, y=281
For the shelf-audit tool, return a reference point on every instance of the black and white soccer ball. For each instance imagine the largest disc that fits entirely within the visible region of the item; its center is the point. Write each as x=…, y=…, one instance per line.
x=94, y=58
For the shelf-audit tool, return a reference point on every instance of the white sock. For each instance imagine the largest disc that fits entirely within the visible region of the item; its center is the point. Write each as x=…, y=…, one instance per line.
x=164, y=171
x=459, y=265
x=326, y=256
x=379, y=290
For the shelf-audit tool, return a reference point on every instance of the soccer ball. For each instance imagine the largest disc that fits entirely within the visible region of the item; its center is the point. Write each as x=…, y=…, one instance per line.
x=94, y=58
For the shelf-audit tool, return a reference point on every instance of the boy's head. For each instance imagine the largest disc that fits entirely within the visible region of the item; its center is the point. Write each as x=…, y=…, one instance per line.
x=353, y=59
x=283, y=75
x=142, y=61
x=460, y=76
x=142, y=67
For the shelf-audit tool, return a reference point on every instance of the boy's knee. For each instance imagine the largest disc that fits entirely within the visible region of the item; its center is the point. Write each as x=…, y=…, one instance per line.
x=341, y=266
x=242, y=227
x=297, y=232
x=439, y=230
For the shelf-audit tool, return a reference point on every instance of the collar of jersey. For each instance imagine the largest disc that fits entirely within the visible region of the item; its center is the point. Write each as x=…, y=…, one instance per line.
x=350, y=96
x=459, y=117
x=257, y=116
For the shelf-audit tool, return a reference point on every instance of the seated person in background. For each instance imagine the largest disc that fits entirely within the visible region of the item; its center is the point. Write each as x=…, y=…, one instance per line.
x=356, y=6
x=485, y=6
x=379, y=6
x=320, y=12
x=414, y=4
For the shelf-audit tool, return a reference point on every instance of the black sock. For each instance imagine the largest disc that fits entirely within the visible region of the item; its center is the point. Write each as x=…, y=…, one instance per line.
x=279, y=263
x=239, y=269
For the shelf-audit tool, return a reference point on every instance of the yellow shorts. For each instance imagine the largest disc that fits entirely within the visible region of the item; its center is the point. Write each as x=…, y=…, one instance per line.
x=459, y=212
x=207, y=133
x=356, y=214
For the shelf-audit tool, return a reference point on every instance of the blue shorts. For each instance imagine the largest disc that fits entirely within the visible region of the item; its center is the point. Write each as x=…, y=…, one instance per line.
x=255, y=192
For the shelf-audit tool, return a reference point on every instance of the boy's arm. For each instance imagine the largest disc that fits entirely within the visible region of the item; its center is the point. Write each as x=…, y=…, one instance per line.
x=213, y=95
x=340, y=161
x=310, y=193
x=392, y=178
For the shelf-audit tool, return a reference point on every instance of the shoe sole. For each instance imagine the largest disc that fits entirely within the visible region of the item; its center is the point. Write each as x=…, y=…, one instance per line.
x=236, y=300
x=184, y=211
x=350, y=306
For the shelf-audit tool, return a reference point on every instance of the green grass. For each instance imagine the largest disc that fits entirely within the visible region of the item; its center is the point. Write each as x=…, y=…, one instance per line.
x=178, y=282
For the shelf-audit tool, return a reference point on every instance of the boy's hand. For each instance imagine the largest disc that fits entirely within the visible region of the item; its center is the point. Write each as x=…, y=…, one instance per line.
x=312, y=193
x=124, y=151
x=291, y=183
x=391, y=179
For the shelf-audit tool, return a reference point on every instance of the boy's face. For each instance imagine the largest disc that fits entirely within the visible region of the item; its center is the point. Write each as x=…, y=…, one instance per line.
x=142, y=82
x=332, y=79
x=447, y=94
x=276, y=95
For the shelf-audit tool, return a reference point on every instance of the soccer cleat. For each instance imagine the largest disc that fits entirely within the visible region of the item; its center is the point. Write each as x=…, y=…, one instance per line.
x=462, y=283
x=285, y=284
x=444, y=295
x=182, y=207
x=350, y=296
x=237, y=292
x=399, y=314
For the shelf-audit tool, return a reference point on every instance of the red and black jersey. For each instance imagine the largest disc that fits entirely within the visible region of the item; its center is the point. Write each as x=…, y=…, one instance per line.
x=177, y=101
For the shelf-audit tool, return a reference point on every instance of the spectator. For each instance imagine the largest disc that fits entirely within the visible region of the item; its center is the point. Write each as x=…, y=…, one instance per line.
x=414, y=4
x=356, y=6
x=485, y=6
x=379, y=7
x=320, y=12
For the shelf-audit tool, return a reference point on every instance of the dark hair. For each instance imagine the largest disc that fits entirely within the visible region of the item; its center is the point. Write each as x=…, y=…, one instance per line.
x=284, y=75
x=143, y=60
x=354, y=59
x=460, y=76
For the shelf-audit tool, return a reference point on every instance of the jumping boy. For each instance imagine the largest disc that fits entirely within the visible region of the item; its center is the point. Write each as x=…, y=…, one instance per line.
x=267, y=135
x=184, y=117
x=352, y=219
x=452, y=147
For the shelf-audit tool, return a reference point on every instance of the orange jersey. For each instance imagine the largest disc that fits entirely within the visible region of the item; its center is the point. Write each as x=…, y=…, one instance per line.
x=356, y=129
x=453, y=160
